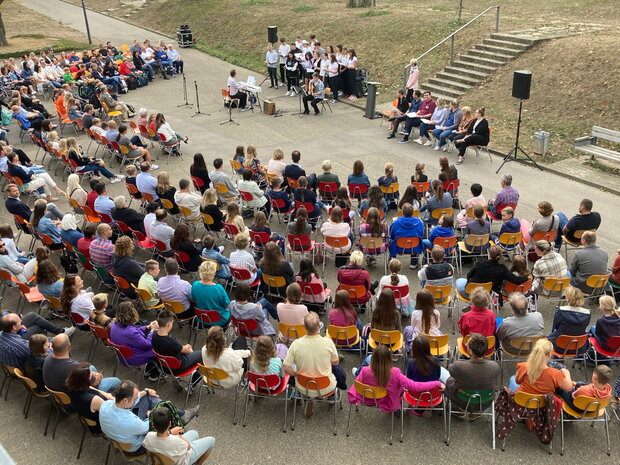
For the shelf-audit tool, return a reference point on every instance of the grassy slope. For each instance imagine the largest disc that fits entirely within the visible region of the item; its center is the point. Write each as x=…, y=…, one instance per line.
x=235, y=30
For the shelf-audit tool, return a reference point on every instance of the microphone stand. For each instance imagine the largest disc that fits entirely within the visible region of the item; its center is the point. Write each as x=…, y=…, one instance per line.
x=230, y=104
x=299, y=91
x=186, y=104
x=198, y=112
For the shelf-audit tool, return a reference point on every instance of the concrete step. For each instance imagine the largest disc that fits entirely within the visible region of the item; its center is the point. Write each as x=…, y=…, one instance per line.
x=506, y=44
x=474, y=66
x=489, y=55
x=449, y=83
x=466, y=73
x=448, y=93
x=512, y=38
x=488, y=62
x=457, y=76
x=499, y=50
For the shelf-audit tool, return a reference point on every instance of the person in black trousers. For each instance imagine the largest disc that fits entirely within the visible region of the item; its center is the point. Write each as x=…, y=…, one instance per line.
x=478, y=134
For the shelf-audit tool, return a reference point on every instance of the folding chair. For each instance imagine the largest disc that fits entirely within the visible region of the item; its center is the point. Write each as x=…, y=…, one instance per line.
x=421, y=188
x=327, y=190
x=305, y=384
x=266, y=387
x=586, y=409
x=332, y=246
x=406, y=245
x=370, y=396
x=61, y=402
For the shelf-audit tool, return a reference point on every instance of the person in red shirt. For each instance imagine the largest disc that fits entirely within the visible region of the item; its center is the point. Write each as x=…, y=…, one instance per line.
x=83, y=243
x=92, y=195
x=479, y=319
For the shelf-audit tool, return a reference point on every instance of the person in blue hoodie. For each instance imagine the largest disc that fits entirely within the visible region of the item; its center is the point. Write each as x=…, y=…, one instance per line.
x=407, y=226
x=510, y=225
x=445, y=228
x=571, y=319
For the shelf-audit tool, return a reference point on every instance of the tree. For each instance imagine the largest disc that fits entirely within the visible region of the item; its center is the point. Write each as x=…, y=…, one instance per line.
x=2, y=31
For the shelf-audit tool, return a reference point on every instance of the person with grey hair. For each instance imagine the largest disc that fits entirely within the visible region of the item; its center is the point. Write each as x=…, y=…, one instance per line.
x=121, y=212
x=521, y=324
x=508, y=195
x=588, y=261
x=550, y=265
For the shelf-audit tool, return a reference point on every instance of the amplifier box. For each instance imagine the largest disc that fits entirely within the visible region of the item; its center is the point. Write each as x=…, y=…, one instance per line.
x=269, y=107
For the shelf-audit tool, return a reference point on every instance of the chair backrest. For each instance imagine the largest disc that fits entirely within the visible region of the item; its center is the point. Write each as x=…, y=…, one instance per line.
x=299, y=242
x=476, y=240
x=556, y=284
x=490, y=344
x=168, y=362
x=407, y=243
x=470, y=211
x=475, y=398
x=144, y=294
x=240, y=274
x=387, y=338
x=160, y=459
x=441, y=294
x=77, y=318
x=273, y=281
x=355, y=292
x=437, y=343
x=246, y=196
x=167, y=204
x=236, y=166
x=341, y=335
x=60, y=398
x=122, y=283
x=212, y=376
x=328, y=188
x=220, y=188
x=527, y=400
x=245, y=328
x=548, y=236
x=508, y=287
x=598, y=281
x=292, y=183
x=471, y=286
x=358, y=191
x=231, y=229
x=337, y=242
x=311, y=288
x=368, y=242
x=391, y=189
x=570, y=345
x=591, y=404
x=421, y=187
x=99, y=332
x=445, y=243
x=314, y=383
x=292, y=331
x=450, y=186
x=54, y=302
x=198, y=182
x=260, y=238
x=523, y=345
x=208, y=317
x=263, y=383
x=133, y=190
x=174, y=306
x=439, y=212
x=207, y=219
x=399, y=291
x=510, y=239
x=368, y=392
x=307, y=205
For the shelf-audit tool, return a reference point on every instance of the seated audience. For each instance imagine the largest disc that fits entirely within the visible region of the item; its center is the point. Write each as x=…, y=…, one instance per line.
x=212, y=251
x=549, y=265
x=478, y=199
x=39, y=347
x=242, y=309
x=291, y=311
x=274, y=264
x=407, y=226
x=228, y=190
x=438, y=199
x=588, y=261
x=182, y=242
x=243, y=259
x=162, y=232
x=438, y=272
x=404, y=302
x=571, y=319
x=184, y=197
x=608, y=325
x=209, y=295
x=521, y=324
x=101, y=249
x=507, y=195
x=86, y=400
x=129, y=216
x=98, y=315
x=171, y=287
x=308, y=276
x=125, y=266
x=425, y=319
x=215, y=354
x=479, y=319
x=352, y=274
x=585, y=220
x=209, y=206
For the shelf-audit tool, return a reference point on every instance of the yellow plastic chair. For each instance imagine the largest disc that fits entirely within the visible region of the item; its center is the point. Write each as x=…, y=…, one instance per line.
x=469, y=289
x=393, y=339
x=573, y=245
x=291, y=332
x=144, y=296
x=597, y=282
x=586, y=409
x=212, y=379
x=440, y=346
x=443, y=299
x=370, y=396
x=61, y=402
x=346, y=338
x=529, y=401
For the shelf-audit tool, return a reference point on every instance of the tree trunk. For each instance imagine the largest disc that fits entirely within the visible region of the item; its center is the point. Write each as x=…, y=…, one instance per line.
x=360, y=3
x=2, y=31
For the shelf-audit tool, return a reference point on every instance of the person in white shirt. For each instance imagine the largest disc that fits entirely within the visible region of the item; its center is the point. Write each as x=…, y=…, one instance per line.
x=215, y=354
x=283, y=50
x=149, y=218
x=234, y=90
x=271, y=59
x=188, y=199
x=175, y=57
x=332, y=76
x=259, y=199
x=182, y=449
x=336, y=227
x=162, y=232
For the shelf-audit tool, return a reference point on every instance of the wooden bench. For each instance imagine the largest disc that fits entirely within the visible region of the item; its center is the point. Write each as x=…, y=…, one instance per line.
x=588, y=144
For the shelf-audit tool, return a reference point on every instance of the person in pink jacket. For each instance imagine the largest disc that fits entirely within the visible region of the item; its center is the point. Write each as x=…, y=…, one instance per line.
x=382, y=373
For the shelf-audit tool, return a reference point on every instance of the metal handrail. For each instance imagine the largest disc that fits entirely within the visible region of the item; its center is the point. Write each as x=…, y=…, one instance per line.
x=451, y=38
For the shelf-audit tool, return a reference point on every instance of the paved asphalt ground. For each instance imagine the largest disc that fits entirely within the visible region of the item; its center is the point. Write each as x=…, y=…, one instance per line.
x=342, y=136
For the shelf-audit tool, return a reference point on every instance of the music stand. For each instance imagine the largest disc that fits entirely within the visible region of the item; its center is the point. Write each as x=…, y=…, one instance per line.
x=302, y=93
x=186, y=104
x=514, y=152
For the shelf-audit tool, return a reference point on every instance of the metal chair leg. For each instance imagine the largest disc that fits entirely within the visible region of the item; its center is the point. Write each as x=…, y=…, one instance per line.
x=245, y=410
x=81, y=443
x=349, y=420
x=49, y=416
x=286, y=410
x=391, y=429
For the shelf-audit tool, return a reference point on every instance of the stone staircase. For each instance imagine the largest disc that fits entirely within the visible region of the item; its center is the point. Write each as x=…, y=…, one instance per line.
x=476, y=65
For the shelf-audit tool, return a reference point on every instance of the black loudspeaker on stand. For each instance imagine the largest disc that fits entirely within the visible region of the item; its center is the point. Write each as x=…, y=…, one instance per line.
x=272, y=34
x=198, y=112
x=521, y=84
x=186, y=104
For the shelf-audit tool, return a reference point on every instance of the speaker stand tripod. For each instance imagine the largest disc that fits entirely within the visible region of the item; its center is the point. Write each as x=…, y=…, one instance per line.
x=198, y=112
x=514, y=152
x=186, y=104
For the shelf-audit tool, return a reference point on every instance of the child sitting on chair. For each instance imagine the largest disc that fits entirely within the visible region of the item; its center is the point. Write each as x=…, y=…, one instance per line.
x=598, y=389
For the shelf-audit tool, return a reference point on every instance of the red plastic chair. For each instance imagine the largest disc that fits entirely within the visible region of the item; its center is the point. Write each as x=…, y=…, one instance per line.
x=277, y=206
x=267, y=386
x=327, y=190
x=245, y=328
x=358, y=191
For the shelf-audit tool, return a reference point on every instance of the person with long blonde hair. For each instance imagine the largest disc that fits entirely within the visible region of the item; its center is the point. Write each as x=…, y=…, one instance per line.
x=386, y=181
x=209, y=206
x=535, y=376
x=252, y=163
x=209, y=295
x=74, y=189
x=85, y=164
x=165, y=190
